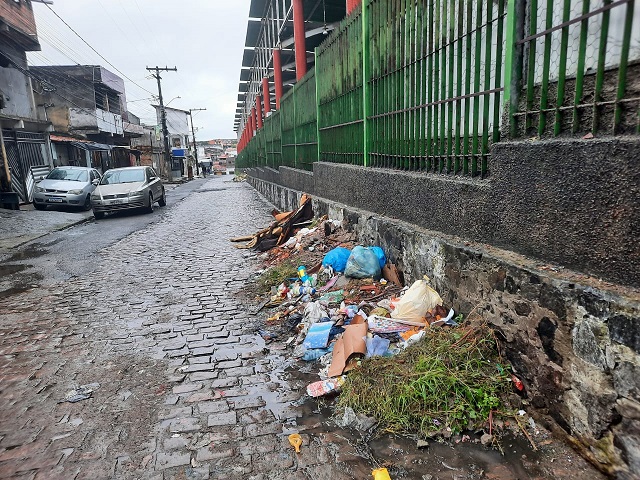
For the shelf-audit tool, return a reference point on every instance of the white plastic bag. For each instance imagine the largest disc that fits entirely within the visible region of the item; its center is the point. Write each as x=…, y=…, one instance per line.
x=313, y=312
x=416, y=301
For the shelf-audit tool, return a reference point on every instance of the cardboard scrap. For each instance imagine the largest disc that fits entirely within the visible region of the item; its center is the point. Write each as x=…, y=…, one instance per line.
x=350, y=343
x=390, y=274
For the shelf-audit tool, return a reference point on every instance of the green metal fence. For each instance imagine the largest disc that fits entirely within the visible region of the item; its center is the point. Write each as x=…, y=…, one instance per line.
x=288, y=126
x=429, y=85
x=340, y=94
x=273, y=144
x=306, y=148
x=435, y=83
x=575, y=68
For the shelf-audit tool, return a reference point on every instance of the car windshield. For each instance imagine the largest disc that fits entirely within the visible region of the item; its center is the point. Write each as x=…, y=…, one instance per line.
x=122, y=176
x=70, y=174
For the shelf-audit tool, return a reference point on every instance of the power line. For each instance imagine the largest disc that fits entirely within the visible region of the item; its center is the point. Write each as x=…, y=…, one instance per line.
x=96, y=52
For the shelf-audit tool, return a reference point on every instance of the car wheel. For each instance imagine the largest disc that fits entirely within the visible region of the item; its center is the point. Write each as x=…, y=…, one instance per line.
x=87, y=203
x=39, y=206
x=163, y=199
x=98, y=215
x=150, y=207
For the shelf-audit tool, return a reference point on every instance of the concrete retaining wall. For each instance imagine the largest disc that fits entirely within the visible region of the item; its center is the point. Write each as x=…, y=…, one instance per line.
x=573, y=339
x=572, y=203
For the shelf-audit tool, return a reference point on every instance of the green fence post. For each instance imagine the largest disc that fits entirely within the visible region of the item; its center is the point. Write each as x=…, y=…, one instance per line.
x=317, y=74
x=366, y=64
x=513, y=60
x=294, y=95
x=624, y=59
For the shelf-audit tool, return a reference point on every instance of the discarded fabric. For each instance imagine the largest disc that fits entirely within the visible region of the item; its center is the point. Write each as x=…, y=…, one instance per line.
x=377, y=346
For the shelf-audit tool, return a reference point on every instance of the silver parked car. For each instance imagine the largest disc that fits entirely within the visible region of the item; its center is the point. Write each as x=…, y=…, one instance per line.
x=69, y=186
x=127, y=188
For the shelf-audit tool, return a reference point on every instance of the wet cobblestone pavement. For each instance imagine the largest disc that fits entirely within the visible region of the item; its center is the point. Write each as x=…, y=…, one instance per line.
x=187, y=389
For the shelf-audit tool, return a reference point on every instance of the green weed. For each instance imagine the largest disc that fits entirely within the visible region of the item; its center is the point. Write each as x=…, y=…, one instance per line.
x=274, y=276
x=452, y=379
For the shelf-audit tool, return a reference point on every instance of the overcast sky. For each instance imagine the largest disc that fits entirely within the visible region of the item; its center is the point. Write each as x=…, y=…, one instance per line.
x=204, y=39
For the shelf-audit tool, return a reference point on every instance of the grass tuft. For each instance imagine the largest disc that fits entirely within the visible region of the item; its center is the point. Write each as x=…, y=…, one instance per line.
x=452, y=379
x=275, y=275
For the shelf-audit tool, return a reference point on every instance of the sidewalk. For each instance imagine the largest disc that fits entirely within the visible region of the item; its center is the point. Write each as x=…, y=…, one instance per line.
x=27, y=224
x=18, y=227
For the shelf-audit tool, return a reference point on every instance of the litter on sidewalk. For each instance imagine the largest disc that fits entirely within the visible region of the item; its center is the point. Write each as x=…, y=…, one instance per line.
x=80, y=393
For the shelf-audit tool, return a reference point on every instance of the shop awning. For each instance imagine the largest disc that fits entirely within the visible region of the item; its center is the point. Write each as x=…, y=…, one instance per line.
x=92, y=147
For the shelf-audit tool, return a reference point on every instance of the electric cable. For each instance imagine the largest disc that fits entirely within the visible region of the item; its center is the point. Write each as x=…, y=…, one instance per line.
x=96, y=52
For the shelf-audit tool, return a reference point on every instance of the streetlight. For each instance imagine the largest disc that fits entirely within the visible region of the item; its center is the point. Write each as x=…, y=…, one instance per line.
x=174, y=98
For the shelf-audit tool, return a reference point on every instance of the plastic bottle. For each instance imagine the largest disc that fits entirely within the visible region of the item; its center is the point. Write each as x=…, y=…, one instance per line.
x=302, y=273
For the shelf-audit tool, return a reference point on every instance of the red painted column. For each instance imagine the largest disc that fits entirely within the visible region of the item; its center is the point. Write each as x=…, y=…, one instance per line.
x=299, y=39
x=253, y=121
x=266, y=95
x=259, y=111
x=277, y=75
x=352, y=4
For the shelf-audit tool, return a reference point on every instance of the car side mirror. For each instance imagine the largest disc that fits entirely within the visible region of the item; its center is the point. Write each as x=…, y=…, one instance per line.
x=41, y=177
x=95, y=182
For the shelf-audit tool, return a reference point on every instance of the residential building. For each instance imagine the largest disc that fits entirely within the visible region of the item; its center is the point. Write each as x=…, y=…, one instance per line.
x=87, y=106
x=24, y=134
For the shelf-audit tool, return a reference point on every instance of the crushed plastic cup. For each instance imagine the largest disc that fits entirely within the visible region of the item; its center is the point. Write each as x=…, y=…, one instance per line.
x=380, y=474
x=296, y=441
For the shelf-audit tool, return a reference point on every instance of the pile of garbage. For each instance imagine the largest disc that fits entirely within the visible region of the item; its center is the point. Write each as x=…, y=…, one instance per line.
x=396, y=352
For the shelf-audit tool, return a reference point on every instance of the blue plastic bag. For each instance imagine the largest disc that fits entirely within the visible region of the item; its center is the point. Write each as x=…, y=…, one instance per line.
x=337, y=258
x=363, y=263
x=380, y=254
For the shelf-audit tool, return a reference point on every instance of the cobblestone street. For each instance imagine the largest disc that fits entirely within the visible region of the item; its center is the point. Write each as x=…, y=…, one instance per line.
x=185, y=391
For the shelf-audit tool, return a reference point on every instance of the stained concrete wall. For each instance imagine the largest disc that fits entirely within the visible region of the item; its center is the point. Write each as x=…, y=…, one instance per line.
x=573, y=339
x=571, y=203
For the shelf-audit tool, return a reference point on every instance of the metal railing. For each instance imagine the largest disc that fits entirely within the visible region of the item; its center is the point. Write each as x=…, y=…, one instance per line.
x=574, y=67
x=430, y=85
x=340, y=94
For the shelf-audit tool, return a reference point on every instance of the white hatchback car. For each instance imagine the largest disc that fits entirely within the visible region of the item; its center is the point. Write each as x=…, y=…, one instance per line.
x=127, y=188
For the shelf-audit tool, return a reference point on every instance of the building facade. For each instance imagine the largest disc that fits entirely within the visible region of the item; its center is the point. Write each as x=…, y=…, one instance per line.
x=24, y=131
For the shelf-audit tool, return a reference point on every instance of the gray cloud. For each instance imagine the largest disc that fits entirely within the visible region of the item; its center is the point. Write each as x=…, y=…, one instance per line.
x=204, y=39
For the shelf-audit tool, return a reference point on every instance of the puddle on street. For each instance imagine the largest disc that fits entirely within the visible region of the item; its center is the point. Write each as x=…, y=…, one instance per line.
x=286, y=398
x=27, y=253
x=204, y=190
x=6, y=270
x=12, y=281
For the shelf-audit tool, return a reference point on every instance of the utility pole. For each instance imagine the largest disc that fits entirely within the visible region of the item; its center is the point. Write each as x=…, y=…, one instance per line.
x=193, y=132
x=163, y=115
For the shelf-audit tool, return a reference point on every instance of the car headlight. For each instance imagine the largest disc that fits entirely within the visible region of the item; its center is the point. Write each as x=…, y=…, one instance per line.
x=39, y=189
x=75, y=192
x=137, y=193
